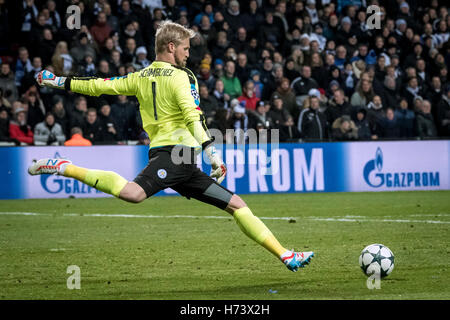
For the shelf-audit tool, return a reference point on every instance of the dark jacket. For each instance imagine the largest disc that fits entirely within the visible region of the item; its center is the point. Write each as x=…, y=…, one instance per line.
x=425, y=127
x=312, y=124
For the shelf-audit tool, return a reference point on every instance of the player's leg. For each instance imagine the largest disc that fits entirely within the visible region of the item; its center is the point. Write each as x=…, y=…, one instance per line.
x=105, y=181
x=205, y=189
x=255, y=229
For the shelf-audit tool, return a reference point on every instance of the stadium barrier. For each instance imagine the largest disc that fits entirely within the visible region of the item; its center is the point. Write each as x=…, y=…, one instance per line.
x=285, y=168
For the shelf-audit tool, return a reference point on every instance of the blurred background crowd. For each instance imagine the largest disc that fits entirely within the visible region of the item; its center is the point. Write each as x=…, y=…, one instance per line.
x=317, y=70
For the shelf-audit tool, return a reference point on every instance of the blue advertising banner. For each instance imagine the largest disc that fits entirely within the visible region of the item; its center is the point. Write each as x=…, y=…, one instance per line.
x=280, y=168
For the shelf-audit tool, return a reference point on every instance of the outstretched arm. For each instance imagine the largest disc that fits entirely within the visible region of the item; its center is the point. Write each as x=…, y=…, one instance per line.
x=125, y=85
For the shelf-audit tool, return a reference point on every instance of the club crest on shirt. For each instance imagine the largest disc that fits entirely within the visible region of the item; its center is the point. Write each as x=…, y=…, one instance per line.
x=162, y=174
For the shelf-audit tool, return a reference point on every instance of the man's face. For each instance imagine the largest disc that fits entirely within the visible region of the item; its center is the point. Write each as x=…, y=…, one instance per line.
x=314, y=103
x=5, y=69
x=306, y=72
x=230, y=68
x=338, y=97
x=181, y=53
x=91, y=117
x=82, y=106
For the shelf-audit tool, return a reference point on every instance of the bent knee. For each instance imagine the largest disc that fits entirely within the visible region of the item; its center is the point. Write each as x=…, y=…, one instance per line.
x=235, y=203
x=133, y=193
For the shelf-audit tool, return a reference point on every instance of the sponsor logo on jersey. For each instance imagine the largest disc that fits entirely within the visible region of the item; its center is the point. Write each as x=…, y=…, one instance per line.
x=195, y=94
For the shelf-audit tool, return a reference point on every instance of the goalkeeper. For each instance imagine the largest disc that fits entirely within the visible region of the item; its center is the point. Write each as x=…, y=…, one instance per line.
x=168, y=95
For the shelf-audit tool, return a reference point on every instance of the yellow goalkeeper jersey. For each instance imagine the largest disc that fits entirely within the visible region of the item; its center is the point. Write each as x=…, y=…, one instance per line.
x=168, y=98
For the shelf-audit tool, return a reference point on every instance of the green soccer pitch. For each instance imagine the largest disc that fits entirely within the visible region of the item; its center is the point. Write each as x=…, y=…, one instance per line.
x=172, y=248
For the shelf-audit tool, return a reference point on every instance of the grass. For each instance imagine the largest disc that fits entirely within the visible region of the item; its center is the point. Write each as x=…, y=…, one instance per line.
x=204, y=258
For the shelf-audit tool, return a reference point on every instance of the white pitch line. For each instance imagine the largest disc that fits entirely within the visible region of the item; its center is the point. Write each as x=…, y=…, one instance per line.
x=379, y=220
x=344, y=219
x=133, y=215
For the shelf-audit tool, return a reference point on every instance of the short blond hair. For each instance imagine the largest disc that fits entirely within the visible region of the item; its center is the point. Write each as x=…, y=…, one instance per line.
x=169, y=31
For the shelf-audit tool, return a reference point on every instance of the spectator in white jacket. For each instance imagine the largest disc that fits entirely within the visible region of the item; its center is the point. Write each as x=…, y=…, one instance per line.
x=49, y=132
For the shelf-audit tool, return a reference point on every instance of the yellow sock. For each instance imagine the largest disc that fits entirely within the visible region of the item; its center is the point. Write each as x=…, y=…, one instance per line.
x=105, y=181
x=256, y=230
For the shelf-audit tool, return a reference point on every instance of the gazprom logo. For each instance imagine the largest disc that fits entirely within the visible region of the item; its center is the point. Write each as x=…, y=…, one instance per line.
x=375, y=177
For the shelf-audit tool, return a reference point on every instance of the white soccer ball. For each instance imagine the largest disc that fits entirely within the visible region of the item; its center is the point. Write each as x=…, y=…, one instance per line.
x=376, y=259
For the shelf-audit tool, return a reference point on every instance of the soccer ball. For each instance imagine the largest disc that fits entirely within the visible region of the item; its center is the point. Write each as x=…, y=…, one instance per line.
x=376, y=259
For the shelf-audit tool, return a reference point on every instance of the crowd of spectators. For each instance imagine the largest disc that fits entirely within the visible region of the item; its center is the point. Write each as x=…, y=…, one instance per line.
x=317, y=70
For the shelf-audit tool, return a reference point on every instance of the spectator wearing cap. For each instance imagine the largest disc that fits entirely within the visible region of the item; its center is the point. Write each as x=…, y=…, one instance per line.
x=405, y=14
x=77, y=139
x=19, y=128
x=312, y=124
x=405, y=119
x=232, y=15
x=205, y=75
x=443, y=113
x=248, y=98
x=425, y=126
x=345, y=31
x=231, y=82
x=255, y=76
x=318, y=36
x=140, y=60
x=48, y=132
x=239, y=121
x=337, y=107
x=260, y=116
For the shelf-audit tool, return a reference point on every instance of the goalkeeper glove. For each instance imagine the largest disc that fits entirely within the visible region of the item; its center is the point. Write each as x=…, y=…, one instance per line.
x=218, y=170
x=48, y=79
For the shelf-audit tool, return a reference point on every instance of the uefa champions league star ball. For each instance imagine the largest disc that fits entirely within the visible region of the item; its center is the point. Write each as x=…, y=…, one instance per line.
x=376, y=259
